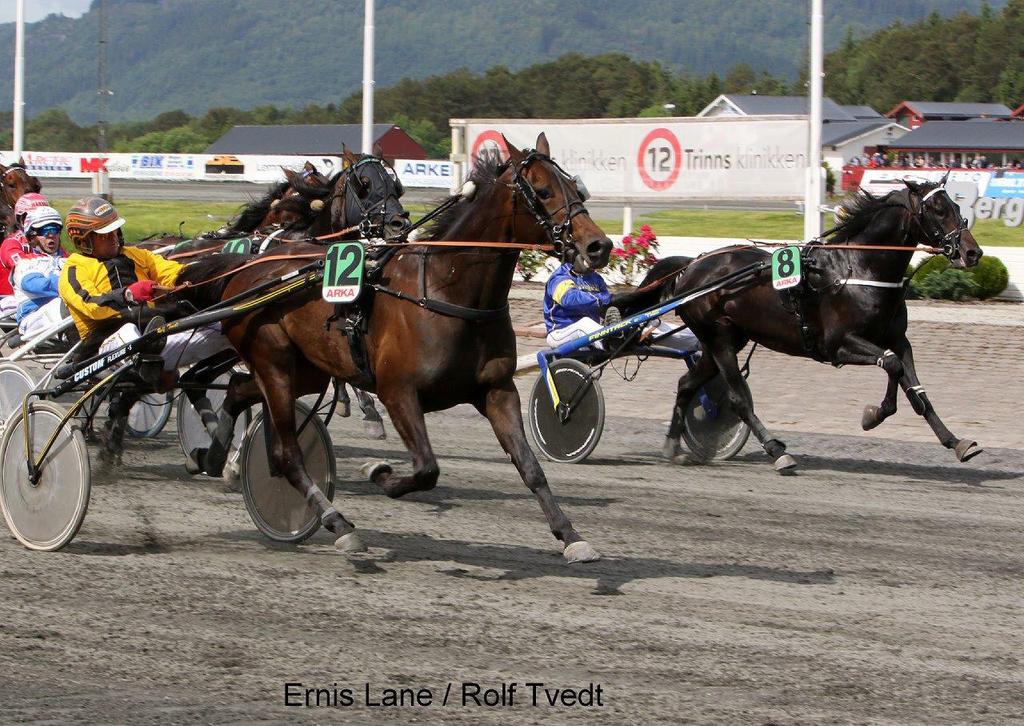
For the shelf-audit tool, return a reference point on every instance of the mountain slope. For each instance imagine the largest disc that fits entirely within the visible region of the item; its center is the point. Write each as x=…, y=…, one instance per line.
x=197, y=54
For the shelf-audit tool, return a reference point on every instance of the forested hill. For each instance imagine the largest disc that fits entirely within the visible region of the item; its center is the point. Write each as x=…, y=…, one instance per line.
x=195, y=54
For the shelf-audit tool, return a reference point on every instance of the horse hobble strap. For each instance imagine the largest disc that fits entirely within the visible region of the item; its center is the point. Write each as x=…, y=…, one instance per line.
x=352, y=322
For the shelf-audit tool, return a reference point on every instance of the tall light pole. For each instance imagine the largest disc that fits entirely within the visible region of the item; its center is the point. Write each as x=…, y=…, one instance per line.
x=19, y=79
x=368, y=78
x=812, y=194
x=101, y=79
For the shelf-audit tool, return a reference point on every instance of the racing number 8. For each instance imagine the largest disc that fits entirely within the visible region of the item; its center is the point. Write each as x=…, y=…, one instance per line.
x=786, y=266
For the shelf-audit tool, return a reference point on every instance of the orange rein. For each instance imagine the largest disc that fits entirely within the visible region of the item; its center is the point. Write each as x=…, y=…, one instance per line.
x=755, y=244
x=315, y=255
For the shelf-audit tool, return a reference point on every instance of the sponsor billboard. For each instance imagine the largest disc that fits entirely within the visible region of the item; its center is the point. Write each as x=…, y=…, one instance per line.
x=980, y=194
x=663, y=159
x=252, y=168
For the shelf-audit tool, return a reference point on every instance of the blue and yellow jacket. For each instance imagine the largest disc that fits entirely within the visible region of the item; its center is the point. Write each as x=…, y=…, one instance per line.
x=569, y=297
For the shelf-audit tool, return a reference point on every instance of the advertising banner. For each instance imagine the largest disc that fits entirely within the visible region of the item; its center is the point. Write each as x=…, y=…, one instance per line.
x=251, y=168
x=660, y=159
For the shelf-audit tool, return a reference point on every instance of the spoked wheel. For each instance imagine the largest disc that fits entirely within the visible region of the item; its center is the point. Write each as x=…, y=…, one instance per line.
x=711, y=429
x=44, y=514
x=569, y=432
x=15, y=384
x=277, y=509
x=192, y=434
x=149, y=416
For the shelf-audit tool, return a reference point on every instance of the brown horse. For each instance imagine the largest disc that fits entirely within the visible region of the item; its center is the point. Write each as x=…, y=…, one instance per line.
x=15, y=181
x=438, y=333
x=850, y=309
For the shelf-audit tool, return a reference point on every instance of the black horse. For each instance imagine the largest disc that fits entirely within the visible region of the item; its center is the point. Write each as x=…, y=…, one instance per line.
x=850, y=308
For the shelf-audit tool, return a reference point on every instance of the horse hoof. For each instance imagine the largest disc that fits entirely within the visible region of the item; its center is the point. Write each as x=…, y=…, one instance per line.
x=350, y=543
x=374, y=429
x=345, y=409
x=967, y=449
x=580, y=552
x=671, y=448
x=871, y=418
x=785, y=464
x=374, y=469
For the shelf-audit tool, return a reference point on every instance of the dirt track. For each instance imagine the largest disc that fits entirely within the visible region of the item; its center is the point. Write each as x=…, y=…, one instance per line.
x=882, y=584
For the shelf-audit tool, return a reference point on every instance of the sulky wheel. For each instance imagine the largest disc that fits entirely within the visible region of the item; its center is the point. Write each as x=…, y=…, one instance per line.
x=148, y=417
x=45, y=513
x=277, y=509
x=711, y=429
x=15, y=384
x=569, y=432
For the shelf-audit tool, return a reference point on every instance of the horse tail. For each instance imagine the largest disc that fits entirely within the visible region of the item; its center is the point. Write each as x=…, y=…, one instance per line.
x=656, y=286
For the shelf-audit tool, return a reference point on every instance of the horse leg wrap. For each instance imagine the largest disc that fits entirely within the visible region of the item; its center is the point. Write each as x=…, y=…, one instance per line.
x=918, y=399
x=887, y=360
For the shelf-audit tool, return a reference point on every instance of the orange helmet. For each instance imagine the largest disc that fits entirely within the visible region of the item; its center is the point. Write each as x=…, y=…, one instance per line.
x=88, y=216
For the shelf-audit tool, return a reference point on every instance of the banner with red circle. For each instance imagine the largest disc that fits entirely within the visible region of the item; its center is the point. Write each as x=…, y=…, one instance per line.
x=659, y=159
x=489, y=143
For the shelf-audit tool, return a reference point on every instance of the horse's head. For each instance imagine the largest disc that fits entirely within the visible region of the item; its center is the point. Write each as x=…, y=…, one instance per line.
x=939, y=221
x=15, y=181
x=555, y=201
x=368, y=194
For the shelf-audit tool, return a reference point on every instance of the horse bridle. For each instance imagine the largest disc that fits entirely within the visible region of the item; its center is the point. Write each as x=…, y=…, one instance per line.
x=559, y=234
x=366, y=227
x=13, y=167
x=949, y=242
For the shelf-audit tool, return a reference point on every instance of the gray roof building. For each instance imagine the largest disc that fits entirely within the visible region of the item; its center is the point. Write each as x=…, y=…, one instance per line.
x=862, y=112
x=314, y=139
x=730, y=104
x=964, y=136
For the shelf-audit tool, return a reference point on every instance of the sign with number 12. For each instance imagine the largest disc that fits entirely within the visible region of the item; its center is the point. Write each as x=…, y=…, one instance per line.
x=343, y=272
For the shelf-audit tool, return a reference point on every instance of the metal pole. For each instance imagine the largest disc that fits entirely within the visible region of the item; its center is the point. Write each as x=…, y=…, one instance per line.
x=19, y=80
x=368, y=78
x=101, y=77
x=813, y=196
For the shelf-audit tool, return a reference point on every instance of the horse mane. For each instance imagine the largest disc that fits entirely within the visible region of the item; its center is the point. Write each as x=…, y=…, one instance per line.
x=254, y=212
x=484, y=174
x=316, y=192
x=205, y=268
x=862, y=209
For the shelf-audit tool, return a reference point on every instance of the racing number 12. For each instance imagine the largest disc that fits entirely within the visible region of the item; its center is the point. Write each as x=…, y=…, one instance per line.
x=662, y=165
x=344, y=260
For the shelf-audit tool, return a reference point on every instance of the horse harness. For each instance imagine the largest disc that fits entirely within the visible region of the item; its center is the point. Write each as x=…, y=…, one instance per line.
x=804, y=297
x=353, y=319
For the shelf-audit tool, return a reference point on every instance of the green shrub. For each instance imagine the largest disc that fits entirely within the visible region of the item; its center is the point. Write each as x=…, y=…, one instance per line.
x=936, y=263
x=991, y=276
x=949, y=284
x=530, y=263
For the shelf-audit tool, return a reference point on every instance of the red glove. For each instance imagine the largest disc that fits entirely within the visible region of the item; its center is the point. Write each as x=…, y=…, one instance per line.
x=139, y=292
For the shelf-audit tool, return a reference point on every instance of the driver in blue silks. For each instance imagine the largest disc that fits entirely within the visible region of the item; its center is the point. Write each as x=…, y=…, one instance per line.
x=573, y=304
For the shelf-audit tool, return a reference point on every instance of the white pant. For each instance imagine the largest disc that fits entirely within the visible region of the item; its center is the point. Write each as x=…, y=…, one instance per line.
x=580, y=329
x=41, y=319
x=684, y=341
x=181, y=349
x=8, y=305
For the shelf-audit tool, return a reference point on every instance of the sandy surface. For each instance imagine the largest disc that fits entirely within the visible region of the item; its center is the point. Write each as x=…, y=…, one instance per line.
x=882, y=584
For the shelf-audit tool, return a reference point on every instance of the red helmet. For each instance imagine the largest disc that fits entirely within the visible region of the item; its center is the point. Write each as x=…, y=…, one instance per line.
x=27, y=202
x=88, y=216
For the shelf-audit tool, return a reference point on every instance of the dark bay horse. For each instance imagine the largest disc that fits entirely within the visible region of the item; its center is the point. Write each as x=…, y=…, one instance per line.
x=14, y=181
x=850, y=310
x=439, y=331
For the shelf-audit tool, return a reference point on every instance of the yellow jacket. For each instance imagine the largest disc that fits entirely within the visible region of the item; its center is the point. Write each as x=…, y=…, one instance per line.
x=93, y=289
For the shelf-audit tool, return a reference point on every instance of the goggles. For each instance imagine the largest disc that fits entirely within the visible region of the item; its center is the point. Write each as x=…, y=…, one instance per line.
x=49, y=230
